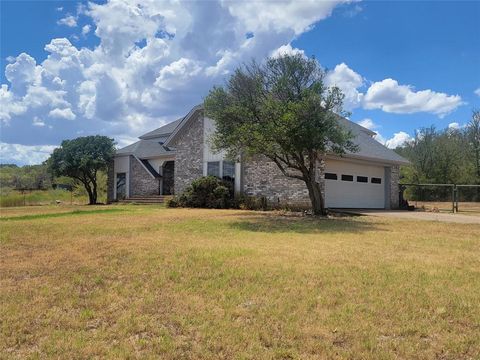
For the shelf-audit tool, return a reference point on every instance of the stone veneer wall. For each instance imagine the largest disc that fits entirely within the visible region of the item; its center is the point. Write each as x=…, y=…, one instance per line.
x=141, y=182
x=394, y=188
x=110, y=182
x=262, y=177
x=189, y=154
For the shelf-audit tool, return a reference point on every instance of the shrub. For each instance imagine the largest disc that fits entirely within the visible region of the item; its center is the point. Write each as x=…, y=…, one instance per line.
x=206, y=192
x=172, y=203
x=246, y=202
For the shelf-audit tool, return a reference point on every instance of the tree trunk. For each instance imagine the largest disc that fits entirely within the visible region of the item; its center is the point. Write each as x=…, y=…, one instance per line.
x=316, y=198
x=92, y=195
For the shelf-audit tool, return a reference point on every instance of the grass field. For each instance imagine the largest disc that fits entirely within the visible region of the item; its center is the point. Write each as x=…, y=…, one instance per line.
x=149, y=282
x=15, y=198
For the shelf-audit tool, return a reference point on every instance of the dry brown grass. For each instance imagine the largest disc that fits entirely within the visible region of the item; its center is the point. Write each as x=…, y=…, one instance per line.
x=148, y=282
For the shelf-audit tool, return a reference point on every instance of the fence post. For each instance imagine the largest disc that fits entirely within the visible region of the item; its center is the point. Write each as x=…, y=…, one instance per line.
x=456, y=197
x=453, y=199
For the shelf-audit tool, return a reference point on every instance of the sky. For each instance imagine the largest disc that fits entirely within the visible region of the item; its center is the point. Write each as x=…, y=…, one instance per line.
x=122, y=68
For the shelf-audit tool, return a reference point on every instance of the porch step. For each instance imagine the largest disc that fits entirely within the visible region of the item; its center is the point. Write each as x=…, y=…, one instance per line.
x=151, y=199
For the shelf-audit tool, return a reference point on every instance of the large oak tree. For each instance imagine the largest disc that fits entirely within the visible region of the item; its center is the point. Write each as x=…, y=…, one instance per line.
x=82, y=159
x=281, y=109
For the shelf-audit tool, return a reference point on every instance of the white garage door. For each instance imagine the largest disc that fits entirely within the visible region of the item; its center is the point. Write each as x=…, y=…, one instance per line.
x=353, y=185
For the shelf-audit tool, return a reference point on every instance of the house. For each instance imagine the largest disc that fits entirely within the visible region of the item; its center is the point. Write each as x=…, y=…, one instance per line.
x=166, y=160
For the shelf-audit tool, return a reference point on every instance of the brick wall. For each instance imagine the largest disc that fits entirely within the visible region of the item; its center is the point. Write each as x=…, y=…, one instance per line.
x=189, y=154
x=262, y=177
x=141, y=182
x=394, y=188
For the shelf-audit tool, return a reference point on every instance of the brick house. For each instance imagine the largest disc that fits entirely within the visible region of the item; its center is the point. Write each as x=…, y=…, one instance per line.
x=164, y=162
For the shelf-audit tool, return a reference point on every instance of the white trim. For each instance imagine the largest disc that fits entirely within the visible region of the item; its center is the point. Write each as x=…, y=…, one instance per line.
x=364, y=159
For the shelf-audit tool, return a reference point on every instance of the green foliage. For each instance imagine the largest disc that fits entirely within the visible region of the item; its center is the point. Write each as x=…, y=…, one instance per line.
x=25, y=177
x=205, y=192
x=283, y=110
x=446, y=156
x=83, y=159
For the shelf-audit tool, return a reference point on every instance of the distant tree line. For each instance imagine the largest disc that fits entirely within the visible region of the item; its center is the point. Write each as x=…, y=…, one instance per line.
x=25, y=177
x=448, y=156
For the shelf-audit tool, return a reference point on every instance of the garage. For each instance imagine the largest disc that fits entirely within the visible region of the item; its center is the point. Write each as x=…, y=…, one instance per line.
x=354, y=185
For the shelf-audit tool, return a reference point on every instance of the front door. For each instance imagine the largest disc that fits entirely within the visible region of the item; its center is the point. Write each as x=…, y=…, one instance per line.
x=121, y=186
x=168, y=181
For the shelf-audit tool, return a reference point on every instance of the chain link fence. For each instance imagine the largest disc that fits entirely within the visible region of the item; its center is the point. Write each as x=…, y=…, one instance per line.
x=442, y=197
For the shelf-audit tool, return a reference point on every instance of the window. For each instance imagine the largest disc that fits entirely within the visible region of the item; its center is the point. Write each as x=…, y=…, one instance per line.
x=213, y=168
x=228, y=171
x=363, y=179
x=347, y=177
x=376, y=180
x=330, y=176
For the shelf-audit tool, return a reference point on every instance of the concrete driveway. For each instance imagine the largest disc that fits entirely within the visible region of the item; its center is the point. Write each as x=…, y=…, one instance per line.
x=420, y=215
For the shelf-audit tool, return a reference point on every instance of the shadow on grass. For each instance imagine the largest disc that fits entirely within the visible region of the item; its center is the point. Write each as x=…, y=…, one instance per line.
x=62, y=214
x=304, y=225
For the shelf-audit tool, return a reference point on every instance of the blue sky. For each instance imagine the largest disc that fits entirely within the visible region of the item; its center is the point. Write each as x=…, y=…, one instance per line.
x=70, y=68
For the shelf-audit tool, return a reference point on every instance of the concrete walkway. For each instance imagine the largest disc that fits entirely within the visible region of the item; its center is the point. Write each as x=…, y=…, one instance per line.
x=421, y=215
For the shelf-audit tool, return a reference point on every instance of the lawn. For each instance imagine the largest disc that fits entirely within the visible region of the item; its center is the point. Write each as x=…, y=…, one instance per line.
x=149, y=282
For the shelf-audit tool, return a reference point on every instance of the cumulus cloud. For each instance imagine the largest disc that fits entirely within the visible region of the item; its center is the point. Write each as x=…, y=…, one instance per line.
x=38, y=122
x=286, y=50
x=86, y=29
x=24, y=154
x=397, y=140
x=153, y=62
x=66, y=114
x=477, y=92
x=389, y=96
x=349, y=82
x=68, y=20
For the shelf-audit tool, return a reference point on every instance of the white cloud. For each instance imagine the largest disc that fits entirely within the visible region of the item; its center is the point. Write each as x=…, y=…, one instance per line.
x=286, y=50
x=349, y=82
x=86, y=29
x=367, y=123
x=8, y=106
x=391, y=97
x=477, y=92
x=38, y=122
x=454, y=126
x=66, y=114
x=296, y=16
x=397, y=140
x=24, y=154
x=153, y=62
x=68, y=20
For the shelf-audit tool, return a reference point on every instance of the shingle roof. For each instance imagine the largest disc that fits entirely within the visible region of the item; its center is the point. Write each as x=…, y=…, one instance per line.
x=144, y=149
x=150, y=144
x=162, y=131
x=369, y=148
